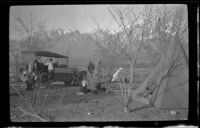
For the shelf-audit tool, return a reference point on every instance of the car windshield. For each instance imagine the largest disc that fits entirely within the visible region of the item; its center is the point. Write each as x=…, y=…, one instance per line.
x=62, y=61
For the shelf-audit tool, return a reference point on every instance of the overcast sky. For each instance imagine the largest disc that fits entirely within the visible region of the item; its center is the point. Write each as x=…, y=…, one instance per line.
x=65, y=16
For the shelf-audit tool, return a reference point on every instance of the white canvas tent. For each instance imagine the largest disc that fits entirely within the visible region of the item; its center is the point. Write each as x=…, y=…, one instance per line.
x=167, y=85
x=173, y=92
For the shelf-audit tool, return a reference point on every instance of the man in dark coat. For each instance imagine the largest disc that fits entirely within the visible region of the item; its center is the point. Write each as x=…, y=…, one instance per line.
x=91, y=67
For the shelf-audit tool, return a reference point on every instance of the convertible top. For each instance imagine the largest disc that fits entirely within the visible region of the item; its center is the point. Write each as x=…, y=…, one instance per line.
x=45, y=54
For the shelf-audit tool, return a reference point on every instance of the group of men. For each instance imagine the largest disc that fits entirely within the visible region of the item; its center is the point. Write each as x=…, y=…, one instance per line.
x=34, y=66
x=49, y=63
x=30, y=74
x=84, y=83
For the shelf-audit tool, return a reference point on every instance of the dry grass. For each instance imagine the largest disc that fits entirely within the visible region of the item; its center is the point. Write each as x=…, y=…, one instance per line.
x=64, y=105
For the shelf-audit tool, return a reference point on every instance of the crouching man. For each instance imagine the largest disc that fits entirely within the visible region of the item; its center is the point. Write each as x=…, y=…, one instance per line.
x=83, y=88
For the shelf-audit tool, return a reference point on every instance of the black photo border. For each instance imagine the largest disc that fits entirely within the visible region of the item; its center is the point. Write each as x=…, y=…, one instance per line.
x=193, y=118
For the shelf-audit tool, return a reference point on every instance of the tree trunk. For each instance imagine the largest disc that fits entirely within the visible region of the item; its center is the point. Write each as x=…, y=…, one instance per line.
x=126, y=108
x=128, y=97
x=16, y=66
x=90, y=80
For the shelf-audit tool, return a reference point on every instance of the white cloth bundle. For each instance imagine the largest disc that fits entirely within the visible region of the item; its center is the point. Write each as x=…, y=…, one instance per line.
x=116, y=74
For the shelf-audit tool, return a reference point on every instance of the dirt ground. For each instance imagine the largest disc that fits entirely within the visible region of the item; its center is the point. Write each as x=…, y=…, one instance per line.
x=63, y=104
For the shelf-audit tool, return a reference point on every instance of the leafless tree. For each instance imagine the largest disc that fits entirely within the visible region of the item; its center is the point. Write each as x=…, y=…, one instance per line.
x=169, y=29
x=34, y=37
x=34, y=34
x=107, y=50
x=136, y=27
x=153, y=22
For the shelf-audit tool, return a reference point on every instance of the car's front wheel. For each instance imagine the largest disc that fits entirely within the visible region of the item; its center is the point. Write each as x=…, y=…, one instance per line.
x=68, y=82
x=82, y=75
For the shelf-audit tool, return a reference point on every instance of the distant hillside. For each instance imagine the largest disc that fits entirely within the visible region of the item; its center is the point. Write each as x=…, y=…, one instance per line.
x=83, y=50
x=80, y=51
x=81, y=61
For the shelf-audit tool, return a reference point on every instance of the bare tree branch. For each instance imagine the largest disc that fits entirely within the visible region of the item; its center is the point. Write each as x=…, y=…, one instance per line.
x=96, y=23
x=20, y=20
x=33, y=115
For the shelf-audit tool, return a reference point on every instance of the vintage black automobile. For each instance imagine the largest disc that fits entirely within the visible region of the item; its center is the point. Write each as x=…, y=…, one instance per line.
x=62, y=72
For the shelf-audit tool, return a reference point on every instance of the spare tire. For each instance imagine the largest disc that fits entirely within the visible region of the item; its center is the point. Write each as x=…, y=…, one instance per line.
x=44, y=78
x=23, y=75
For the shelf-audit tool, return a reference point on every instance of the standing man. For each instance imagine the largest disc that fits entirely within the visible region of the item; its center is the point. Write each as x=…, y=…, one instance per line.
x=50, y=68
x=91, y=68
